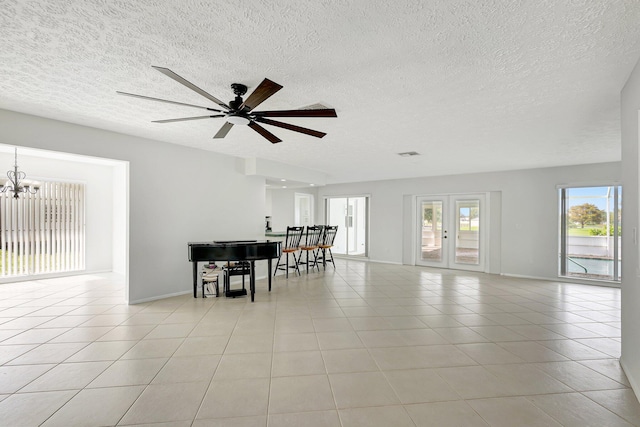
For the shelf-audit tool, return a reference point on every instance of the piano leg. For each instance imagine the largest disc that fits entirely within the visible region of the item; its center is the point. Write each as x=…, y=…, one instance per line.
x=195, y=279
x=269, y=274
x=252, y=279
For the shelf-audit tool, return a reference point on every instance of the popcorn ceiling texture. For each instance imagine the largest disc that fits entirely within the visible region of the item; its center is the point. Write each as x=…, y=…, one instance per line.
x=471, y=85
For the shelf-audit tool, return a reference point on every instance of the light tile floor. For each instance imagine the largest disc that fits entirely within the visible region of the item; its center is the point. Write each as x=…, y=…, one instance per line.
x=362, y=345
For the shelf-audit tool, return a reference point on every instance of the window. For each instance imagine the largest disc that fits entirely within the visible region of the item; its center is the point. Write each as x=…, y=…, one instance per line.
x=590, y=232
x=43, y=232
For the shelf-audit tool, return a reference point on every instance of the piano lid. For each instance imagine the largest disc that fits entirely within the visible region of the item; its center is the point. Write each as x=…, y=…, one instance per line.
x=228, y=242
x=234, y=250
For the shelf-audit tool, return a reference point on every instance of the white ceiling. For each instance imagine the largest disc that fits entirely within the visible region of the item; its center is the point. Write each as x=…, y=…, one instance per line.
x=471, y=85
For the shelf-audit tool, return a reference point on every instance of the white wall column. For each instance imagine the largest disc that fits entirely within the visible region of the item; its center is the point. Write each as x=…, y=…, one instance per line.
x=630, y=109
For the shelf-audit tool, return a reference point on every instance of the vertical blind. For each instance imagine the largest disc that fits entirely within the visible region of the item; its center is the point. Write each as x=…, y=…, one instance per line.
x=42, y=232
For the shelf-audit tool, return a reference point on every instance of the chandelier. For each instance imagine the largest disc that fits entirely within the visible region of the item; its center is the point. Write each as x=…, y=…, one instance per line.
x=17, y=182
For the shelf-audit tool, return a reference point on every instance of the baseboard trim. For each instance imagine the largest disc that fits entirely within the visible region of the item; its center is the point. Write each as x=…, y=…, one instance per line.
x=385, y=262
x=635, y=386
x=155, y=298
x=44, y=276
x=564, y=280
x=234, y=281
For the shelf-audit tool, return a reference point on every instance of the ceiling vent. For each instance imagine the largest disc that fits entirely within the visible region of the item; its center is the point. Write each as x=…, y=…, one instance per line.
x=408, y=154
x=316, y=106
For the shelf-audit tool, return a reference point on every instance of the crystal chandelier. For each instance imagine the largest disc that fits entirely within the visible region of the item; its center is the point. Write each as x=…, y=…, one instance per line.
x=17, y=182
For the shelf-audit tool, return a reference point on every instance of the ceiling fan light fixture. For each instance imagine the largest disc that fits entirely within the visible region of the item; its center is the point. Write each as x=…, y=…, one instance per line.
x=236, y=119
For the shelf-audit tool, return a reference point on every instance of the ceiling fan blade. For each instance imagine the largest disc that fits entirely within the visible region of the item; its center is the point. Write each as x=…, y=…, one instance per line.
x=262, y=131
x=184, y=119
x=260, y=94
x=323, y=112
x=166, y=100
x=167, y=72
x=291, y=127
x=224, y=130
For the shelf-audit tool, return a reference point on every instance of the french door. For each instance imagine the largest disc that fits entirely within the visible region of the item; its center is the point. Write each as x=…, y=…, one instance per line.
x=451, y=231
x=351, y=215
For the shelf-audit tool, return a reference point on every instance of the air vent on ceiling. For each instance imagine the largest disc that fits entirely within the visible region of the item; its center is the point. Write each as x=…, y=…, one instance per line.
x=317, y=106
x=408, y=154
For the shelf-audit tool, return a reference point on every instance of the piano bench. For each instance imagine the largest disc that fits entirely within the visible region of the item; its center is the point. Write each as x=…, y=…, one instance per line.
x=239, y=268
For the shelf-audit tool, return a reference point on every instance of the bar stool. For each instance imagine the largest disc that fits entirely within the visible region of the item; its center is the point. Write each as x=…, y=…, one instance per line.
x=328, y=237
x=312, y=238
x=290, y=247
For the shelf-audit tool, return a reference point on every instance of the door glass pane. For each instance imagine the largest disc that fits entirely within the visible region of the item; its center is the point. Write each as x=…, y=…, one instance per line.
x=591, y=226
x=431, y=230
x=337, y=215
x=357, y=230
x=467, y=240
x=350, y=215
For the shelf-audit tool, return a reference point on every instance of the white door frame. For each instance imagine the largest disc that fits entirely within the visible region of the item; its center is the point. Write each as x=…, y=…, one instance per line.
x=342, y=225
x=449, y=231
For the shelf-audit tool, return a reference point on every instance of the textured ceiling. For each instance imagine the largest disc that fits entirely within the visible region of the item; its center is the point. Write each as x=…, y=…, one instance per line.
x=470, y=85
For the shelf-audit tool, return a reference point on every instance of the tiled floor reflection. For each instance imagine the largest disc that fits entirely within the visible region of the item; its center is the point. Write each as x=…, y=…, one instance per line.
x=365, y=344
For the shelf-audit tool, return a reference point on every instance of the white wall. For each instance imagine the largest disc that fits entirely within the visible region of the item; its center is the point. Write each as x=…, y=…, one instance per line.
x=268, y=203
x=630, y=224
x=164, y=212
x=120, y=214
x=527, y=233
x=99, y=199
x=283, y=206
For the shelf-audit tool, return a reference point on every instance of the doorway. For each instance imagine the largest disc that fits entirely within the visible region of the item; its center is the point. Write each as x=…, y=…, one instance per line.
x=303, y=215
x=452, y=231
x=105, y=225
x=351, y=215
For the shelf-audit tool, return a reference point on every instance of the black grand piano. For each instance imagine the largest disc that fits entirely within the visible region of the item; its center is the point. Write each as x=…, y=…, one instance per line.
x=235, y=250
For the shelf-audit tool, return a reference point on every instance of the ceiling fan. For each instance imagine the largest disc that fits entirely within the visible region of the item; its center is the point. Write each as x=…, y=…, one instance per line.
x=240, y=112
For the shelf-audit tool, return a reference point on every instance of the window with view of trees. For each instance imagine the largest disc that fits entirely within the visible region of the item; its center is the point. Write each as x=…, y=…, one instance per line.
x=42, y=232
x=590, y=242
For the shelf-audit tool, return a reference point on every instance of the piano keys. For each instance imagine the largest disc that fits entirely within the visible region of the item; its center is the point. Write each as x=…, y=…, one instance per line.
x=234, y=250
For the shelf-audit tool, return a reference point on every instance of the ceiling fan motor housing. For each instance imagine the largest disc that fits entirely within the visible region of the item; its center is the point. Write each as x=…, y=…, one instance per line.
x=239, y=90
x=235, y=104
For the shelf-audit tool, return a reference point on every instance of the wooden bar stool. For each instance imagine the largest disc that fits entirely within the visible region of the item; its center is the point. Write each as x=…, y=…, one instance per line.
x=311, y=240
x=290, y=247
x=326, y=243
